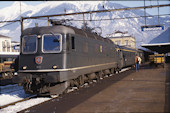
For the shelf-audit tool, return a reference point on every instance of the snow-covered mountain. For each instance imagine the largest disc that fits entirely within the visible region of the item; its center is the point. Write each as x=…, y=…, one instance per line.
x=132, y=25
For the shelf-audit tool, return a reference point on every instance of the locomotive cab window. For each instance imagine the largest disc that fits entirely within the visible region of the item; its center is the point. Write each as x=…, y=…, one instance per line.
x=29, y=44
x=52, y=43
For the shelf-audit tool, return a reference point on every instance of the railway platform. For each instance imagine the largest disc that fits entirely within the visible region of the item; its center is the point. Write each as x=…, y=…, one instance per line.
x=144, y=91
x=147, y=90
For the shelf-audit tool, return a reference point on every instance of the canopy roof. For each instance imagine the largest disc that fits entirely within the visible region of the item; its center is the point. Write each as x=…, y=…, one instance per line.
x=161, y=43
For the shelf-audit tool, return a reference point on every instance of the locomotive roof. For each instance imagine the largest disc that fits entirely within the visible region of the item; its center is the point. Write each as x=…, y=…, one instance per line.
x=47, y=30
x=62, y=29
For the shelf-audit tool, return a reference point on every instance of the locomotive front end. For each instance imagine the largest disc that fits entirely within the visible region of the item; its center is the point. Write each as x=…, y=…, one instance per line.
x=40, y=60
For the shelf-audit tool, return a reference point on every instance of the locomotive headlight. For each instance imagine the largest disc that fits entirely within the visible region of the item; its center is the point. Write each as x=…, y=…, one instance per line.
x=54, y=67
x=39, y=36
x=24, y=67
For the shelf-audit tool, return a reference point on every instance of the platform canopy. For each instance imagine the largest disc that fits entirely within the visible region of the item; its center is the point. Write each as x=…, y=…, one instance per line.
x=161, y=43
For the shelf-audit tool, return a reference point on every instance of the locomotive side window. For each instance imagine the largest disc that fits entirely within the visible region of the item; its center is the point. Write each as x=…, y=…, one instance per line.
x=29, y=44
x=72, y=42
x=52, y=43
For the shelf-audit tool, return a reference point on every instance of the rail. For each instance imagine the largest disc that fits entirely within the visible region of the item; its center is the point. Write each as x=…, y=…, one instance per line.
x=13, y=103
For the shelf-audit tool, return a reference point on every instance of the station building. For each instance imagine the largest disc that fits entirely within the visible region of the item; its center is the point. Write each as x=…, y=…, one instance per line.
x=122, y=39
x=8, y=49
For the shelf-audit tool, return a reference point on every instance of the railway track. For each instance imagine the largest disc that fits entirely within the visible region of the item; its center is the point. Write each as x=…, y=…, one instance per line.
x=13, y=103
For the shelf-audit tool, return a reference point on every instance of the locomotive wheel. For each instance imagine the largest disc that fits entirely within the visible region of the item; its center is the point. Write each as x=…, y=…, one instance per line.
x=91, y=77
x=71, y=83
x=101, y=75
x=81, y=80
x=97, y=76
x=114, y=71
x=75, y=82
x=88, y=80
x=117, y=69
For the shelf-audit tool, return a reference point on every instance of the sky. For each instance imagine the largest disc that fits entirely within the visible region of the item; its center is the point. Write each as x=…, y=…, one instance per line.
x=130, y=3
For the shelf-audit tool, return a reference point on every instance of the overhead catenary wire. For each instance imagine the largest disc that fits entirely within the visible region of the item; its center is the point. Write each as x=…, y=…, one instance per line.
x=9, y=21
x=7, y=24
x=106, y=19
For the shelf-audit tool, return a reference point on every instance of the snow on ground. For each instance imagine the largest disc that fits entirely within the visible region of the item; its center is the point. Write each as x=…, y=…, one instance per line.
x=13, y=93
x=125, y=69
x=23, y=105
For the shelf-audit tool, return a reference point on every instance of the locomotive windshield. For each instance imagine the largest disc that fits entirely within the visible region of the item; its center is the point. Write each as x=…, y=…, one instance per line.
x=52, y=43
x=29, y=44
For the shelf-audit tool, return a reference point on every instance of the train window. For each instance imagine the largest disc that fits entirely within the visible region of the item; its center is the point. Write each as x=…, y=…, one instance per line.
x=126, y=42
x=52, y=43
x=4, y=46
x=73, y=42
x=29, y=44
x=118, y=42
x=3, y=43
